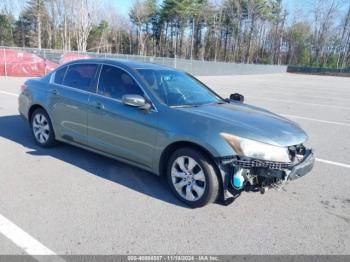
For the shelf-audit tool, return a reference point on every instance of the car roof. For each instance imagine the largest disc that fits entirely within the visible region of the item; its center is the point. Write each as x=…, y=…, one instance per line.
x=127, y=64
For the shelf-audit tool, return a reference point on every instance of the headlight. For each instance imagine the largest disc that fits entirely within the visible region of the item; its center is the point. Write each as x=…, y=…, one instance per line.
x=255, y=149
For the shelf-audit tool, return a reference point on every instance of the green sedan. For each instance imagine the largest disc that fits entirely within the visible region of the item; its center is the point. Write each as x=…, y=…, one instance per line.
x=168, y=123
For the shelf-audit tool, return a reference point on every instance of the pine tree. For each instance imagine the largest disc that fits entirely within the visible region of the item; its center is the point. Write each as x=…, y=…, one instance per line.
x=6, y=35
x=31, y=21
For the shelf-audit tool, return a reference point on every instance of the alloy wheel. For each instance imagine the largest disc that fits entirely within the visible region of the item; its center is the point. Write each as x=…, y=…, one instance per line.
x=188, y=178
x=41, y=128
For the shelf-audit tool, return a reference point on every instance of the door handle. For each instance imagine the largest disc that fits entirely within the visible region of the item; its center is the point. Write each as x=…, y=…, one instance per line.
x=99, y=106
x=54, y=91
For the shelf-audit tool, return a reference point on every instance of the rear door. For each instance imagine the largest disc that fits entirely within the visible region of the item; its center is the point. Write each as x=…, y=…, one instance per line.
x=69, y=98
x=124, y=131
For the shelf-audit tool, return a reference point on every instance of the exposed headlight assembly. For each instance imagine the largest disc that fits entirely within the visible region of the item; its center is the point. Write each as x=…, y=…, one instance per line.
x=257, y=150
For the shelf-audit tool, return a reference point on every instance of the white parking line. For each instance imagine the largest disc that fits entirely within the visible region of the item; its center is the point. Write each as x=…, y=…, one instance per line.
x=316, y=120
x=302, y=95
x=22, y=239
x=8, y=93
x=301, y=103
x=332, y=163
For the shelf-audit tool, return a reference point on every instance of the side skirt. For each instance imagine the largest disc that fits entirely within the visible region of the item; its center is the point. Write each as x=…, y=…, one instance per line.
x=94, y=150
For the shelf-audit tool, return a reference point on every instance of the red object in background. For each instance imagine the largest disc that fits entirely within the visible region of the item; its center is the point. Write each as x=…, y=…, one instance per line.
x=65, y=58
x=21, y=63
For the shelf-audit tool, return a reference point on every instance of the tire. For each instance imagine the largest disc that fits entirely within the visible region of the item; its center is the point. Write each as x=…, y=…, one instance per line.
x=42, y=129
x=194, y=183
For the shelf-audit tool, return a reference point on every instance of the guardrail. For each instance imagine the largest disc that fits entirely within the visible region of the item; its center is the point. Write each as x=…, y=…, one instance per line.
x=319, y=71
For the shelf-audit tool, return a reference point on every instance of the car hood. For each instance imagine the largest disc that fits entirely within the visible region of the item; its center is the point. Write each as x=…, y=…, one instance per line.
x=251, y=122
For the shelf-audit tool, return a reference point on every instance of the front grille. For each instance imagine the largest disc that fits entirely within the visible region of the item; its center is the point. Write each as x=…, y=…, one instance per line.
x=260, y=163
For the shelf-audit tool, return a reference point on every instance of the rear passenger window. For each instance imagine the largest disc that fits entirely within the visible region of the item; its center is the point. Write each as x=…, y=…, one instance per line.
x=59, y=75
x=81, y=76
x=115, y=83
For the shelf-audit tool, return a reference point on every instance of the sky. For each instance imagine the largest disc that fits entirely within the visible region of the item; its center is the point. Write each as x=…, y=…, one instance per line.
x=123, y=6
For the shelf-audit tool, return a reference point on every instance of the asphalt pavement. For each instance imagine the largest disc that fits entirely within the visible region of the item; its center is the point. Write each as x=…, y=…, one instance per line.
x=71, y=201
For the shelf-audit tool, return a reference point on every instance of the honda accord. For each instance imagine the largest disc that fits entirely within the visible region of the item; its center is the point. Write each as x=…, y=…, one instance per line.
x=168, y=123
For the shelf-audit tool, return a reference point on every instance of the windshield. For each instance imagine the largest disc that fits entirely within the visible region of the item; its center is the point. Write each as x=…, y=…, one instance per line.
x=177, y=88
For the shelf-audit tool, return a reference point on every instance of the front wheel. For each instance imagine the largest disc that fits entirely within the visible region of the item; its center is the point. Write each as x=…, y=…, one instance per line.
x=192, y=177
x=42, y=128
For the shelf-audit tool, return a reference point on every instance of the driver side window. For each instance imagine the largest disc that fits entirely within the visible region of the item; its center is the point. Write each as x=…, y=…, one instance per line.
x=115, y=83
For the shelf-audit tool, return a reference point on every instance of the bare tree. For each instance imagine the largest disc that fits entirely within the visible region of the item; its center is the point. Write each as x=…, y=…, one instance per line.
x=345, y=41
x=84, y=17
x=251, y=31
x=324, y=13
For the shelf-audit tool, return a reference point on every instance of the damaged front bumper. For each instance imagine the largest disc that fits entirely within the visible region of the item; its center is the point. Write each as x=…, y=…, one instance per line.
x=303, y=167
x=260, y=175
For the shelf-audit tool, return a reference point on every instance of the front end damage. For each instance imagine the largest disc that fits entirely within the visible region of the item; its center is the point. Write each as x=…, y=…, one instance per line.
x=247, y=174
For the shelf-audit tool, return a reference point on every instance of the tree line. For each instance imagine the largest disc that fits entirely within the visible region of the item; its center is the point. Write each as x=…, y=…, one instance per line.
x=242, y=31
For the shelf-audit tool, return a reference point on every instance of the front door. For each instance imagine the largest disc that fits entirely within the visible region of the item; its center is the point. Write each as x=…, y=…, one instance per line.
x=123, y=131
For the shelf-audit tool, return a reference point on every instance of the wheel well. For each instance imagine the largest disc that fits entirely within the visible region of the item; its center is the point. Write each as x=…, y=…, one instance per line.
x=31, y=111
x=177, y=145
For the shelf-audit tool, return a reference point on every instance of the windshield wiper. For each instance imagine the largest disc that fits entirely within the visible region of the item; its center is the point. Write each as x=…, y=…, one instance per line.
x=197, y=105
x=215, y=103
x=183, y=106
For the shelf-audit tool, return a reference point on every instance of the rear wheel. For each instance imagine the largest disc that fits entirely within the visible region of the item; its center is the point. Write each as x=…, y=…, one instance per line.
x=192, y=177
x=42, y=128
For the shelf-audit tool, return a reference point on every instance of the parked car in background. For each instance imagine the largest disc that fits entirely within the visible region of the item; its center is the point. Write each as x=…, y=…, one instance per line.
x=168, y=123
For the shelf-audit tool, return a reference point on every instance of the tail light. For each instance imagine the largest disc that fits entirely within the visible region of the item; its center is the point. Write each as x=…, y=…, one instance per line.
x=23, y=87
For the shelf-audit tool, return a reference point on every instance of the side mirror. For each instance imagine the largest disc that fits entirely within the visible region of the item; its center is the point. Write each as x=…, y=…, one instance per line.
x=237, y=97
x=136, y=101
